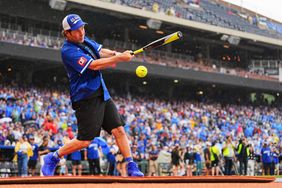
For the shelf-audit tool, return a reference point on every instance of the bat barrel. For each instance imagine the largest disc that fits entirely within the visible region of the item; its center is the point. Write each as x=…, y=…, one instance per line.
x=174, y=36
x=160, y=42
x=179, y=34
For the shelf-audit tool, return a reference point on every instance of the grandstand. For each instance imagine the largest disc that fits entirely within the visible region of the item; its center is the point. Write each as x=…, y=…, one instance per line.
x=210, y=12
x=221, y=80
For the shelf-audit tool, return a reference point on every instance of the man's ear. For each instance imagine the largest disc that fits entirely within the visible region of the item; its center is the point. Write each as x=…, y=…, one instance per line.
x=67, y=32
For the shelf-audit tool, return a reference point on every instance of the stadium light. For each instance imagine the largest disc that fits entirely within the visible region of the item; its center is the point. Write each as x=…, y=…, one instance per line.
x=200, y=92
x=224, y=37
x=176, y=81
x=160, y=32
x=144, y=83
x=143, y=27
x=58, y=4
x=234, y=40
x=154, y=24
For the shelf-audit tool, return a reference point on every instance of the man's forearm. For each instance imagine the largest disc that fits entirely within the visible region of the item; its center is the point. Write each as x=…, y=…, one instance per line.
x=107, y=62
x=105, y=53
x=103, y=63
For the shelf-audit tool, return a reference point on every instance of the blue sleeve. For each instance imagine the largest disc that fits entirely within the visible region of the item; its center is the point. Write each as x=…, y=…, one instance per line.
x=94, y=44
x=97, y=46
x=76, y=58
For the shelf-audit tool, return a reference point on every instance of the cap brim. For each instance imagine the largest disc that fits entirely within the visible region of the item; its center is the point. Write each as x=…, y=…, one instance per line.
x=77, y=26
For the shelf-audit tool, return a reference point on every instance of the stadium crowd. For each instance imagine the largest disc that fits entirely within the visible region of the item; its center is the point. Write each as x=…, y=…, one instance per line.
x=28, y=39
x=167, y=137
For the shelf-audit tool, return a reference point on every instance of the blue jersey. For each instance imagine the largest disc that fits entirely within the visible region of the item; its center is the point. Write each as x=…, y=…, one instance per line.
x=76, y=156
x=198, y=157
x=83, y=81
x=9, y=110
x=93, y=151
x=275, y=157
x=266, y=157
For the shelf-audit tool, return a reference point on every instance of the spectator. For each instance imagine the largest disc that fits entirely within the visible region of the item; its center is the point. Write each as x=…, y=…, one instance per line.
x=112, y=162
x=189, y=158
x=76, y=163
x=243, y=155
x=63, y=167
x=207, y=157
x=121, y=164
x=215, y=153
x=251, y=162
x=164, y=158
x=23, y=151
x=175, y=160
x=275, y=161
x=43, y=150
x=153, y=156
x=34, y=158
x=228, y=154
x=92, y=156
x=136, y=154
x=198, y=160
x=266, y=158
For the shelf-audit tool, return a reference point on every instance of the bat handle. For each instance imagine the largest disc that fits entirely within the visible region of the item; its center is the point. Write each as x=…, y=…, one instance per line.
x=137, y=51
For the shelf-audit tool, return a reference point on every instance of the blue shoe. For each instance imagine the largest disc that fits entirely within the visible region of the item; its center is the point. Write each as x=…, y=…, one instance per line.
x=50, y=163
x=132, y=170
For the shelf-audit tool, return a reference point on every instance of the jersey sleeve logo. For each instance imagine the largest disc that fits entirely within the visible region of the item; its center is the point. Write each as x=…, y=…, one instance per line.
x=81, y=61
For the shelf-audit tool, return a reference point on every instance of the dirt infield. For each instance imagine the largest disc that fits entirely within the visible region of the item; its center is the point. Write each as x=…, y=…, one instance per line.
x=133, y=180
x=145, y=185
x=146, y=182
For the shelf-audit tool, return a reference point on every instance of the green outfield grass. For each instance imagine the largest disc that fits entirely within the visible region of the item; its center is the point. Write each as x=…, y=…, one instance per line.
x=280, y=176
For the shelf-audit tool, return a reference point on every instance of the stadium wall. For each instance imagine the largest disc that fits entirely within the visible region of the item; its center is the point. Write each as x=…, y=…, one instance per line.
x=52, y=56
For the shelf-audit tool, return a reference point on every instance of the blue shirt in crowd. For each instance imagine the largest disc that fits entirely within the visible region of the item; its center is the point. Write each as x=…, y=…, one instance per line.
x=265, y=152
x=76, y=156
x=93, y=151
x=9, y=110
x=197, y=157
x=275, y=157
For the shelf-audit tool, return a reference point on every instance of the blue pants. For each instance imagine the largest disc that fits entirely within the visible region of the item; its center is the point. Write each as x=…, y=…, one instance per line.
x=22, y=165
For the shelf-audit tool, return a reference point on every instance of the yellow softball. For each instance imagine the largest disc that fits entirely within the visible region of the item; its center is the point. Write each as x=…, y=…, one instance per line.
x=141, y=71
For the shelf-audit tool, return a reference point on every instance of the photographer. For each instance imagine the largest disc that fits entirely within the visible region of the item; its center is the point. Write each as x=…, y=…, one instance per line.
x=243, y=155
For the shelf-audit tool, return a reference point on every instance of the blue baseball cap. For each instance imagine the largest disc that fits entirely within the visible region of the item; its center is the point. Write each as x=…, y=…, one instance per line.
x=72, y=22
